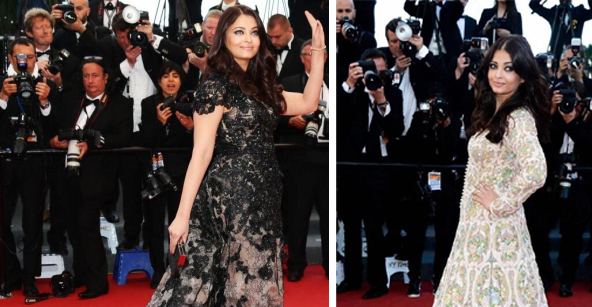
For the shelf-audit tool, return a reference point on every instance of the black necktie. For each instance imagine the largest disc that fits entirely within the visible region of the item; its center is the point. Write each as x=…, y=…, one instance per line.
x=279, y=51
x=46, y=52
x=109, y=6
x=88, y=102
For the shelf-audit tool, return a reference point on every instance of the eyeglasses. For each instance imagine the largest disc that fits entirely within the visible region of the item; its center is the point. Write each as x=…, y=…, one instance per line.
x=93, y=58
x=306, y=53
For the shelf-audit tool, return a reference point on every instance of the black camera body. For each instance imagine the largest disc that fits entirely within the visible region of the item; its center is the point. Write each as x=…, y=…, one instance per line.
x=404, y=31
x=62, y=285
x=200, y=49
x=25, y=84
x=23, y=124
x=183, y=105
x=157, y=182
x=477, y=47
x=58, y=63
x=569, y=101
x=352, y=32
x=438, y=109
x=314, y=120
x=136, y=37
x=67, y=12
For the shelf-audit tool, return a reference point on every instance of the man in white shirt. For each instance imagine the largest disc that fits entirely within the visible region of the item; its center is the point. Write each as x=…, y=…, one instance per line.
x=286, y=46
x=103, y=11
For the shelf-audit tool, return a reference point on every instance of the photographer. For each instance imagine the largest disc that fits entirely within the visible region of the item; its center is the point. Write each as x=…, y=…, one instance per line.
x=571, y=68
x=501, y=20
x=91, y=179
x=77, y=36
x=135, y=78
x=439, y=27
x=166, y=127
x=349, y=48
x=306, y=172
x=374, y=120
x=200, y=62
x=103, y=11
x=566, y=22
x=39, y=26
x=286, y=46
x=25, y=106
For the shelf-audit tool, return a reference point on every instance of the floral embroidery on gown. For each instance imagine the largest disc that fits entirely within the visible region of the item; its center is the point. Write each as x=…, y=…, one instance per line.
x=234, y=242
x=492, y=262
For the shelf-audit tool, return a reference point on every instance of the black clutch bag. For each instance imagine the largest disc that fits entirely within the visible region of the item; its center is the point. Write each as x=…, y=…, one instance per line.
x=178, y=260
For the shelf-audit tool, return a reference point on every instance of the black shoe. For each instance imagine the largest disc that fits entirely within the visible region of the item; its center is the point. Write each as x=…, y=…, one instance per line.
x=565, y=290
x=91, y=294
x=156, y=277
x=295, y=275
x=111, y=216
x=375, y=292
x=345, y=287
x=58, y=248
x=414, y=289
x=13, y=285
x=29, y=288
x=127, y=244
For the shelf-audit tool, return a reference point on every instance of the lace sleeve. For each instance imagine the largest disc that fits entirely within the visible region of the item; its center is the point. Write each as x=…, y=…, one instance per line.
x=209, y=95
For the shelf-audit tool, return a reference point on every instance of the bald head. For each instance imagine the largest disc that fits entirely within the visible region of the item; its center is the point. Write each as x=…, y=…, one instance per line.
x=345, y=8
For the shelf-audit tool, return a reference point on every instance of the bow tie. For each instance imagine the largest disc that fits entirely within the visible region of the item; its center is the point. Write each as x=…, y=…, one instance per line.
x=88, y=102
x=46, y=52
x=109, y=6
x=440, y=4
x=279, y=51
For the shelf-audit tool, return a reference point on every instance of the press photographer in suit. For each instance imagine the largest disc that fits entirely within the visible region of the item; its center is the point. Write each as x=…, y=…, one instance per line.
x=285, y=45
x=306, y=174
x=25, y=105
x=78, y=37
x=166, y=127
x=102, y=110
x=103, y=11
x=375, y=120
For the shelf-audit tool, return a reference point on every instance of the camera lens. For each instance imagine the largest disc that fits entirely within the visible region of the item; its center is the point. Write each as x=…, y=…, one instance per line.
x=70, y=17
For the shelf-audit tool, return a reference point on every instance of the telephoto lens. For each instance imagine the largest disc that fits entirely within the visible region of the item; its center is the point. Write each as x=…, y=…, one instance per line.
x=72, y=161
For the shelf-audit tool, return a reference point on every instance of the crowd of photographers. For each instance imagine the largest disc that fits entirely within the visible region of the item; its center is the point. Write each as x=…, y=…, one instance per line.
x=410, y=102
x=85, y=76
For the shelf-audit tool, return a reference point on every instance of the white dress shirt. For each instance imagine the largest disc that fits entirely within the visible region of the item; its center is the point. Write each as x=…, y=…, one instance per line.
x=87, y=112
x=139, y=87
x=433, y=46
x=108, y=15
x=225, y=6
x=11, y=72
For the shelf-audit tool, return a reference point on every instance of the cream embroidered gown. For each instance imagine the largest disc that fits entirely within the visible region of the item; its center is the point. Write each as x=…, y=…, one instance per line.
x=492, y=262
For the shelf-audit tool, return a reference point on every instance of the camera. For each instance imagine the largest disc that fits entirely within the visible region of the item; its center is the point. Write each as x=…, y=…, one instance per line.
x=575, y=62
x=477, y=47
x=134, y=17
x=62, y=285
x=67, y=12
x=183, y=105
x=545, y=61
x=499, y=22
x=58, y=63
x=23, y=125
x=157, y=180
x=314, y=120
x=565, y=175
x=438, y=108
x=73, y=136
x=351, y=31
x=190, y=35
x=24, y=81
x=404, y=31
x=569, y=101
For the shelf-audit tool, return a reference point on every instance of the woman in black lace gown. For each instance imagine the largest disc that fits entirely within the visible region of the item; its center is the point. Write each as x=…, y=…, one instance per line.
x=229, y=213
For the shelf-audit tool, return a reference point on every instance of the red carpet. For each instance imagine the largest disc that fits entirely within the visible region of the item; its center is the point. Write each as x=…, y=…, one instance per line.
x=397, y=297
x=311, y=291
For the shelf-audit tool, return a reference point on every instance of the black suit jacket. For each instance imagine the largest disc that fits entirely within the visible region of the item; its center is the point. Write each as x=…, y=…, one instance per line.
x=470, y=29
x=449, y=15
x=84, y=46
x=114, y=55
x=156, y=136
x=98, y=171
x=97, y=10
x=579, y=14
x=487, y=14
x=292, y=64
x=354, y=107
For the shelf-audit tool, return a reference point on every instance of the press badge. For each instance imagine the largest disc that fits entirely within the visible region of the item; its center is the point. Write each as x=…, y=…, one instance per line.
x=434, y=181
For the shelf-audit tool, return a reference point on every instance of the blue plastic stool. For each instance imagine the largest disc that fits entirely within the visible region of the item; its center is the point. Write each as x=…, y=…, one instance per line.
x=131, y=260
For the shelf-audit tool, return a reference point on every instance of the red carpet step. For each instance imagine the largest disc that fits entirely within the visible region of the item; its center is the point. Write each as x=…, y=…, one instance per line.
x=311, y=291
x=397, y=297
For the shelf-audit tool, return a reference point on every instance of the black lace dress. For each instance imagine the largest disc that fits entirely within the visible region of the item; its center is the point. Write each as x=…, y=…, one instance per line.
x=235, y=239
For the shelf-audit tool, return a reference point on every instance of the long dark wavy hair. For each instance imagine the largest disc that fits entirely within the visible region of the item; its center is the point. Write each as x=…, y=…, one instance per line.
x=512, y=15
x=532, y=94
x=259, y=81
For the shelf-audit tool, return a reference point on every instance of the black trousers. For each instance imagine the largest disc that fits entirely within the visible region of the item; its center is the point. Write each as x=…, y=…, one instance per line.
x=306, y=186
x=541, y=216
x=90, y=260
x=348, y=210
x=57, y=202
x=132, y=171
x=446, y=219
x=27, y=180
x=155, y=213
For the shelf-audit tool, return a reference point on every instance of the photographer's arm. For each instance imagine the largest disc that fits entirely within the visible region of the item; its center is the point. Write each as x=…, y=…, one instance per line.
x=8, y=88
x=538, y=8
x=412, y=9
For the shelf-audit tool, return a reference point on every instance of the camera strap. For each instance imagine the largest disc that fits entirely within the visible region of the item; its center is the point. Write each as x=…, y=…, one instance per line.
x=89, y=122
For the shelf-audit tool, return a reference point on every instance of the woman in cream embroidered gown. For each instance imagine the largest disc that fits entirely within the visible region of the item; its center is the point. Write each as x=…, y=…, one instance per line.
x=492, y=262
